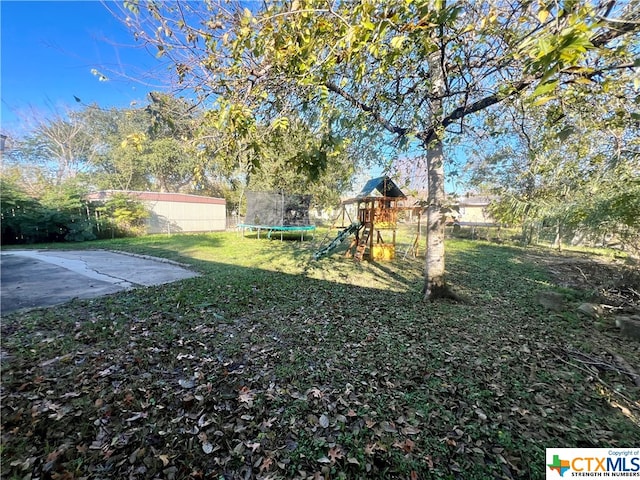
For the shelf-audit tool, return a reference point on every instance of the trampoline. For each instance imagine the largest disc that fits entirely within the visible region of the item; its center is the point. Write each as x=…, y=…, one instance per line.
x=274, y=212
x=275, y=228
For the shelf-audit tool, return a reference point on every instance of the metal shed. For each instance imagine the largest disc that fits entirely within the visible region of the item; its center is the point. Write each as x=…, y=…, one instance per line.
x=177, y=212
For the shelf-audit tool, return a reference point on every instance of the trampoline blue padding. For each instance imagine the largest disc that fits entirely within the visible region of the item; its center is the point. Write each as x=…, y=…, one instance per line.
x=277, y=228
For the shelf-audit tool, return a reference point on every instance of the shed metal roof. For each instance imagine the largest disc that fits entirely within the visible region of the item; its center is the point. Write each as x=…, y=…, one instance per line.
x=158, y=197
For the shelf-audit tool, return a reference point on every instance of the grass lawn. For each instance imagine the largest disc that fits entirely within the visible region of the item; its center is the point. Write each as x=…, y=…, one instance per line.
x=271, y=365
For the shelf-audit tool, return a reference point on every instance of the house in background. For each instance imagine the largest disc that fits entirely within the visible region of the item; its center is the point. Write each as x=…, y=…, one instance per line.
x=473, y=211
x=176, y=212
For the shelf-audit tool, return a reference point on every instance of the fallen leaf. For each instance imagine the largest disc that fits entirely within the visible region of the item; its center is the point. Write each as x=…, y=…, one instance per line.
x=266, y=464
x=315, y=392
x=268, y=423
x=291, y=444
x=253, y=446
x=388, y=427
x=409, y=430
x=239, y=449
x=371, y=448
x=408, y=445
x=335, y=454
x=246, y=396
x=429, y=461
x=70, y=395
x=53, y=456
x=186, y=383
x=170, y=473
x=137, y=416
x=207, y=447
x=203, y=421
x=481, y=415
x=323, y=421
x=138, y=452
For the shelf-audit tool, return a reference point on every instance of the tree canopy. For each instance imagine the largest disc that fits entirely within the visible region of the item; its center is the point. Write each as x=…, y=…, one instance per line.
x=169, y=145
x=572, y=162
x=411, y=73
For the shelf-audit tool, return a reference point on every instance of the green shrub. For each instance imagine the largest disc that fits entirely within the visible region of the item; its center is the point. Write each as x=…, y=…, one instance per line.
x=64, y=214
x=122, y=216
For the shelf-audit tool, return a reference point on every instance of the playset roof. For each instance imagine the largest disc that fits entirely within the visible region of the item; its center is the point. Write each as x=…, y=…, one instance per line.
x=377, y=188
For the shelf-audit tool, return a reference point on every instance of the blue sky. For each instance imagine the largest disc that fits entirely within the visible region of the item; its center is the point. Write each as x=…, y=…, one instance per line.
x=48, y=52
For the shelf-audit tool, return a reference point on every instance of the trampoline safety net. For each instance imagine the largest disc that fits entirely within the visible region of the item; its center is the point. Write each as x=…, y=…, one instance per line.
x=277, y=209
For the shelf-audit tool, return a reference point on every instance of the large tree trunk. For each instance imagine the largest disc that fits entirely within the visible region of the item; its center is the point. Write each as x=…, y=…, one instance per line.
x=434, y=284
x=558, y=240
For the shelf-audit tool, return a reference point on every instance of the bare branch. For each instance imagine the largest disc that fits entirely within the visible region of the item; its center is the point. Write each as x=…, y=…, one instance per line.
x=367, y=109
x=497, y=97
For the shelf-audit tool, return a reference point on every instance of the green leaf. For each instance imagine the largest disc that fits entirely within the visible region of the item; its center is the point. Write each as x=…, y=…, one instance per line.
x=566, y=133
x=397, y=41
x=583, y=81
x=368, y=25
x=280, y=123
x=132, y=6
x=323, y=93
x=544, y=88
x=543, y=15
x=542, y=100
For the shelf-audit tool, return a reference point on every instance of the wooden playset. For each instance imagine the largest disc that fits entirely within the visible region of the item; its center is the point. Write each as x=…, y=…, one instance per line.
x=376, y=209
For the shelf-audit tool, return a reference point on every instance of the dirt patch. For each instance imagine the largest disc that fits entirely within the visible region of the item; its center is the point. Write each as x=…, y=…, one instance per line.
x=610, y=281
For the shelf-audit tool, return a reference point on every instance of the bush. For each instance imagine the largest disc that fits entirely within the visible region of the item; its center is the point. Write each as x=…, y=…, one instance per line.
x=122, y=216
x=26, y=220
x=65, y=215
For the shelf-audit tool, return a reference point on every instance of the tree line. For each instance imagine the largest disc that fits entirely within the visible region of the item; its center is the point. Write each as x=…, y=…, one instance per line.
x=417, y=74
x=571, y=166
x=170, y=145
x=297, y=95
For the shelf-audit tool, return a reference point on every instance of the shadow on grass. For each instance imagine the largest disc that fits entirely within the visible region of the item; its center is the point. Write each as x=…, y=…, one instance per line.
x=248, y=371
x=491, y=271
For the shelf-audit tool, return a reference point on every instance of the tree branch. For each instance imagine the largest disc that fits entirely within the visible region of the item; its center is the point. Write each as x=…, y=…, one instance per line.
x=367, y=109
x=623, y=27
